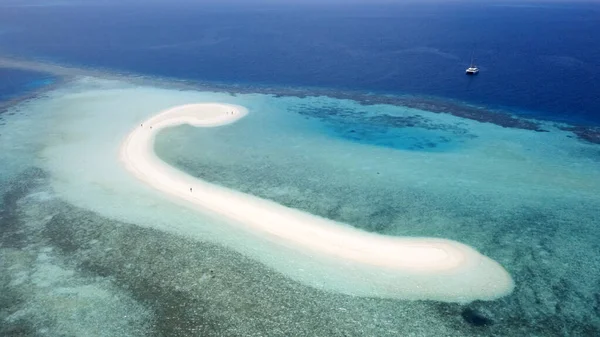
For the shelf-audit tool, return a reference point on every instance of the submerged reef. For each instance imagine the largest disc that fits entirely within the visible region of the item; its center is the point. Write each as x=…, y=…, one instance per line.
x=436, y=105
x=587, y=133
x=409, y=132
x=433, y=104
x=69, y=271
x=479, y=114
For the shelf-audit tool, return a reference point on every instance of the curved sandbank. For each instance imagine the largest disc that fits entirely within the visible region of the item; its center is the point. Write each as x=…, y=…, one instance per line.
x=414, y=268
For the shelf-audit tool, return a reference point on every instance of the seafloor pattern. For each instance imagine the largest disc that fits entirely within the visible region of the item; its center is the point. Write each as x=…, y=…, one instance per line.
x=86, y=251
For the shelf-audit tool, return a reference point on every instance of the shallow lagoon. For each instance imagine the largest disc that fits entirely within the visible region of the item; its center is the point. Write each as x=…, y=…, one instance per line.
x=81, y=233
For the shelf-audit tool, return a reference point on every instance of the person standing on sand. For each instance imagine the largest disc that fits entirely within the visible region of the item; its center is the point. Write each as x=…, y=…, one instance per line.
x=190, y=189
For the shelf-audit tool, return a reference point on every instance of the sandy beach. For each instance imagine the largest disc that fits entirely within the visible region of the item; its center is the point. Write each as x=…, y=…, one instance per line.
x=411, y=258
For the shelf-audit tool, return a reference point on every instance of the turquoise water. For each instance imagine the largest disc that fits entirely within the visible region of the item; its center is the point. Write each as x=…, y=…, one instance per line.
x=526, y=199
x=87, y=250
x=295, y=151
x=307, y=160
x=79, y=232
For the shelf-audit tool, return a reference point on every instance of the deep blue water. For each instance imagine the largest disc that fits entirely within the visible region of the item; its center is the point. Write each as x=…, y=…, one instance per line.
x=16, y=82
x=541, y=59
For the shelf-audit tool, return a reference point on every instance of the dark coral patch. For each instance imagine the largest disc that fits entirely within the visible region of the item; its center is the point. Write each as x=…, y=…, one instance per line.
x=476, y=318
x=587, y=133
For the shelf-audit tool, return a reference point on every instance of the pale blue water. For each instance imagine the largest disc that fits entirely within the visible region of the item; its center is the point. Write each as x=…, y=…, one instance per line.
x=526, y=199
x=76, y=259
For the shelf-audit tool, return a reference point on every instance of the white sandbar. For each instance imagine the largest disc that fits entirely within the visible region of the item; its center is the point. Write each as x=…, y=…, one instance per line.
x=426, y=268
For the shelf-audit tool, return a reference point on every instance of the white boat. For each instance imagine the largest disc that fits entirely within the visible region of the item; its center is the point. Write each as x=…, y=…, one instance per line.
x=472, y=70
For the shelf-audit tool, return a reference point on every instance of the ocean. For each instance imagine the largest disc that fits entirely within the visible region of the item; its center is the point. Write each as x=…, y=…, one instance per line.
x=358, y=113
x=17, y=82
x=538, y=59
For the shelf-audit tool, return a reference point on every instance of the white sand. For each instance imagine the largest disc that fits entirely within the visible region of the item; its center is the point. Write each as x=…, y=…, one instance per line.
x=470, y=275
